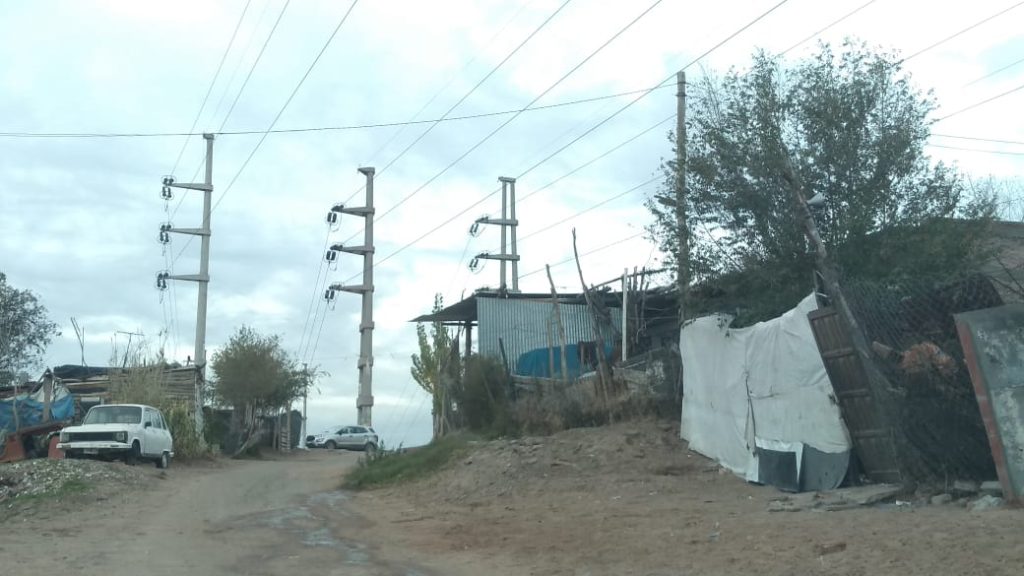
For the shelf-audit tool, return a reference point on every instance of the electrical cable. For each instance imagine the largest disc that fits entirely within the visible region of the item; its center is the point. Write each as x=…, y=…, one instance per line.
x=967, y=29
x=552, y=155
x=480, y=83
x=280, y=112
x=977, y=104
x=213, y=82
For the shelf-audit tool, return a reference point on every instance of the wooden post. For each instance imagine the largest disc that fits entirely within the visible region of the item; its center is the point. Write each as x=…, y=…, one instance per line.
x=551, y=351
x=602, y=363
x=561, y=326
x=682, y=232
x=47, y=395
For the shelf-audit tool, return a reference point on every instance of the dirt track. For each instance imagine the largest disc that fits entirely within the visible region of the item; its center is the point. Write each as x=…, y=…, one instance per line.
x=626, y=499
x=252, y=517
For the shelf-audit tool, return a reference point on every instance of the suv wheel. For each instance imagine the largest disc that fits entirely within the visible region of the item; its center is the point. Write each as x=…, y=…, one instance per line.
x=164, y=462
x=370, y=448
x=330, y=445
x=133, y=454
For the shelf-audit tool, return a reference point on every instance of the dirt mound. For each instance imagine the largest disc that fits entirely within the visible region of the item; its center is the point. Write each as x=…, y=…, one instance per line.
x=41, y=478
x=612, y=458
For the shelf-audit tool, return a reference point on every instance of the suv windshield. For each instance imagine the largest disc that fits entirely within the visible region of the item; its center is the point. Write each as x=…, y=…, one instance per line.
x=114, y=415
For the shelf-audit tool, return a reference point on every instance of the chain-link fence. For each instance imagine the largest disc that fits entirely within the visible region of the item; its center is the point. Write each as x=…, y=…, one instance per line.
x=911, y=329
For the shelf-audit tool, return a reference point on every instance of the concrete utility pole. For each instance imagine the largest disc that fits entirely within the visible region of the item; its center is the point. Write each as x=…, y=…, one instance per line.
x=683, y=233
x=364, y=402
x=508, y=225
x=203, y=278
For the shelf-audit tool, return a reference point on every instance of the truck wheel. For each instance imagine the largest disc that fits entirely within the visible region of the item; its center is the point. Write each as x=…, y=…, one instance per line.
x=330, y=445
x=164, y=462
x=132, y=456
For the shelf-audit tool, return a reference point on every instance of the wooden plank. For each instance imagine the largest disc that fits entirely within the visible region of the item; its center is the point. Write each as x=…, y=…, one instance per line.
x=872, y=442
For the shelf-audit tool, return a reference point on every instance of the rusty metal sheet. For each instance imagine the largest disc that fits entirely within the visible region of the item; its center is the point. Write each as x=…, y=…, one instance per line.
x=872, y=439
x=993, y=343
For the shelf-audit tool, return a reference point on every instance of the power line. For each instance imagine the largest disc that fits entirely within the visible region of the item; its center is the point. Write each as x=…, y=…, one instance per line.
x=516, y=115
x=238, y=95
x=954, y=35
x=996, y=140
x=471, y=91
x=566, y=175
x=280, y=112
x=965, y=149
x=284, y=107
x=644, y=93
x=833, y=23
x=316, y=289
x=994, y=72
x=598, y=249
x=596, y=158
x=254, y=64
x=976, y=104
x=552, y=155
x=213, y=82
x=365, y=126
x=590, y=208
x=241, y=58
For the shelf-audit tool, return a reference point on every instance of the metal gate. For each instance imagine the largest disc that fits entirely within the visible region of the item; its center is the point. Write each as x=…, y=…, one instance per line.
x=872, y=438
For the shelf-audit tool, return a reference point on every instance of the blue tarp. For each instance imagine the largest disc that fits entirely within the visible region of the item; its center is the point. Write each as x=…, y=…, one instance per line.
x=30, y=410
x=537, y=362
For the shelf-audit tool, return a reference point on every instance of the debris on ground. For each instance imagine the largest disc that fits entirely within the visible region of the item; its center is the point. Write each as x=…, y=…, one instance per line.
x=841, y=499
x=986, y=502
x=42, y=476
x=991, y=488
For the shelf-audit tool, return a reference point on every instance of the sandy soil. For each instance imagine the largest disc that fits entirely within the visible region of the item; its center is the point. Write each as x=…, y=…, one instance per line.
x=627, y=499
x=631, y=499
x=262, y=517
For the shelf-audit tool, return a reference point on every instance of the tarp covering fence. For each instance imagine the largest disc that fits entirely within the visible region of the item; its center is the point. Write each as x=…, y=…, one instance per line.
x=756, y=390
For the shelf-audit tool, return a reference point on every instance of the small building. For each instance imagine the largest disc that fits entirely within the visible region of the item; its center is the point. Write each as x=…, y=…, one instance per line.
x=523, y=329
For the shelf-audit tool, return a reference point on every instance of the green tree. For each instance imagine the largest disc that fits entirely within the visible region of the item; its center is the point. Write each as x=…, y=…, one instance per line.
x=255, y=370
x=25, y=330
x=855, y=127
x=436, y=367
x=253, y=374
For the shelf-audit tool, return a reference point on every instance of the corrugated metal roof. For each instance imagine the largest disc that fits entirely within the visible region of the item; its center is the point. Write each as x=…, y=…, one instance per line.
x=524, y=325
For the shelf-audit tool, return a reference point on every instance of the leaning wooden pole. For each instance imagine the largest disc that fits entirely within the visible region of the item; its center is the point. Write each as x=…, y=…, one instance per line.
x=604, y=377
x=561, y=326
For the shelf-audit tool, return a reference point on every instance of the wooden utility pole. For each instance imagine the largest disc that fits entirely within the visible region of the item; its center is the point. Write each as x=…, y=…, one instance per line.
x=682, y=232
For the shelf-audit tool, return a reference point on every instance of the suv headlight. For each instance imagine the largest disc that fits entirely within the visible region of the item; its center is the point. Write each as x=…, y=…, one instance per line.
x=121, y=436
x=63, y=436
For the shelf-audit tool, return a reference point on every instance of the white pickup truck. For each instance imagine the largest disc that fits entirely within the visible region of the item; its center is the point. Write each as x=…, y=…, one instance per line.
x=131, y=432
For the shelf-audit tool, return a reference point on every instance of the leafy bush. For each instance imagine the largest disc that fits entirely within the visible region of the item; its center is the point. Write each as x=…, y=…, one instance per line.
x=483, y=399
x=386, y=468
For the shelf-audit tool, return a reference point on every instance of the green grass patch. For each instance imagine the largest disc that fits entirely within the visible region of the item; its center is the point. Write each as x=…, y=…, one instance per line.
x=386, y=468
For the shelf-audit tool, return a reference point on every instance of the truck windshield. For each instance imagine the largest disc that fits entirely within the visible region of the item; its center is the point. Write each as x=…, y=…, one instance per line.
x=114, y=415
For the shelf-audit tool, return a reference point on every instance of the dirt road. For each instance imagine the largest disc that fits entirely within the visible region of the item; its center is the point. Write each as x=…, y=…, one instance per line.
x=628, y=499
x=262, y=517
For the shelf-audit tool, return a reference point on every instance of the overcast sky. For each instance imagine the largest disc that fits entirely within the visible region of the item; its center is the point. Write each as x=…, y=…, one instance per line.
x=79, y=216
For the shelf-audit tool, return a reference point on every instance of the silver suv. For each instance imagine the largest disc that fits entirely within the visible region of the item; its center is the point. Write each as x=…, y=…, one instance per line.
x=347, y=437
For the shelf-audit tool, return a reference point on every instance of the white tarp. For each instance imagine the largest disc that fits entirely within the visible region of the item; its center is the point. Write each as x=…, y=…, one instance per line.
x=759, y=386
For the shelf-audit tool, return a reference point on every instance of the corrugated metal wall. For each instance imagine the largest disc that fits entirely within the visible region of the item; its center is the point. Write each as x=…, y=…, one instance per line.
x=523, y=325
